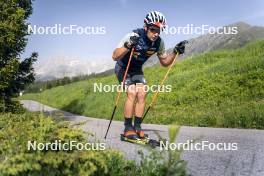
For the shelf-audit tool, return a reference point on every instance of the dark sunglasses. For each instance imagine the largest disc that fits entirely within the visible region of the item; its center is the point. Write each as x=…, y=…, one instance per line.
x=154, y=30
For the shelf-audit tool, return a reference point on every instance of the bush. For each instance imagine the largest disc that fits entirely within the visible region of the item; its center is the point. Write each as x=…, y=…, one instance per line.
x=165, y=162
x=15, y=159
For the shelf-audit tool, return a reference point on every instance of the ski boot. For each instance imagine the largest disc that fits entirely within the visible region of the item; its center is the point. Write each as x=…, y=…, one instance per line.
x=144, y=137
x=140, y=132
x=131, y=136
x=130, y=133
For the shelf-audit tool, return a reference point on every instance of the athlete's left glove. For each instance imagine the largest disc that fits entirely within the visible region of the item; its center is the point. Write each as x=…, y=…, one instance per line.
x=180, y=47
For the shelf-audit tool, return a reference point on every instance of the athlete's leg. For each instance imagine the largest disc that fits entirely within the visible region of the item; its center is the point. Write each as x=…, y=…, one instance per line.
x=140, y=103
x=129, y=102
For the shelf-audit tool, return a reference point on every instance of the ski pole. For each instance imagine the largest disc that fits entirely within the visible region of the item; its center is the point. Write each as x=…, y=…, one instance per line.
x=161, y=83
x=119, y=93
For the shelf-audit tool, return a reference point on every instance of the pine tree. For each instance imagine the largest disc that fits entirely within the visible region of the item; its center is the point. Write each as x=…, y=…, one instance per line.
x=15, y=73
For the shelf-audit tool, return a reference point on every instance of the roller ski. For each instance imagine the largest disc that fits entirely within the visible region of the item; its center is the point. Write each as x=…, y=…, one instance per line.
x=141, y=141
x=137, y=136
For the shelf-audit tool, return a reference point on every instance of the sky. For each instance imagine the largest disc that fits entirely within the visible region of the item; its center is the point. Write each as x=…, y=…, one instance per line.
x=118, y=17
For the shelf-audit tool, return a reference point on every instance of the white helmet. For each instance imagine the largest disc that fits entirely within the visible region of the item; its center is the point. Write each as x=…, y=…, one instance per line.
x=155, y=18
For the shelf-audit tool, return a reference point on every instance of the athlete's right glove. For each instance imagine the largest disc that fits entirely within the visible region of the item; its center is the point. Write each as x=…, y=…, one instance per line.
x=133, y=40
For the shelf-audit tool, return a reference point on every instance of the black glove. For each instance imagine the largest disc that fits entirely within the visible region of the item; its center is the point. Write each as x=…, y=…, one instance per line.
x=180, y=47
x=133, y=40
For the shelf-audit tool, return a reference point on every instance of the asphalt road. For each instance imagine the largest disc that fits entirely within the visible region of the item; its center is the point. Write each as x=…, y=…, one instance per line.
x=246, y=157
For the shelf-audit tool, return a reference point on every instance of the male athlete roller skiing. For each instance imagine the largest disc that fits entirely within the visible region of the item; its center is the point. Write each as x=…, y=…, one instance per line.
x=145, y=42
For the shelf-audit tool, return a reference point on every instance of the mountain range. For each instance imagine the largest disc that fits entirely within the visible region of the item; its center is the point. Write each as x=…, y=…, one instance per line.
x=209, y=42
x=60, y=67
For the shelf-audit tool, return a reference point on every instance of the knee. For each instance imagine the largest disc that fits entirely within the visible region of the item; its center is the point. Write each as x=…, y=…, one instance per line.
x=141, y=97
x=131, y=95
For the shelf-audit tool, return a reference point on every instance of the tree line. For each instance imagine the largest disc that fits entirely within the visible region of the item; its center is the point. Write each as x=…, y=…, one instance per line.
x=39, y=86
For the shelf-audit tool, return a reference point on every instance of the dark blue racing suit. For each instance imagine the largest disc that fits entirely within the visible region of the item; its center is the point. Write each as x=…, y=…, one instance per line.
x=143, y=50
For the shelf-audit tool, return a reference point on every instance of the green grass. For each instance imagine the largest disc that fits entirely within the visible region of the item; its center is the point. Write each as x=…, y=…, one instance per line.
x=217, y=89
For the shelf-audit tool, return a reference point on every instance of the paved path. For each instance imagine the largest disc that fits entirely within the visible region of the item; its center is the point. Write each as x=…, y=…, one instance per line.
x=247, y=160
